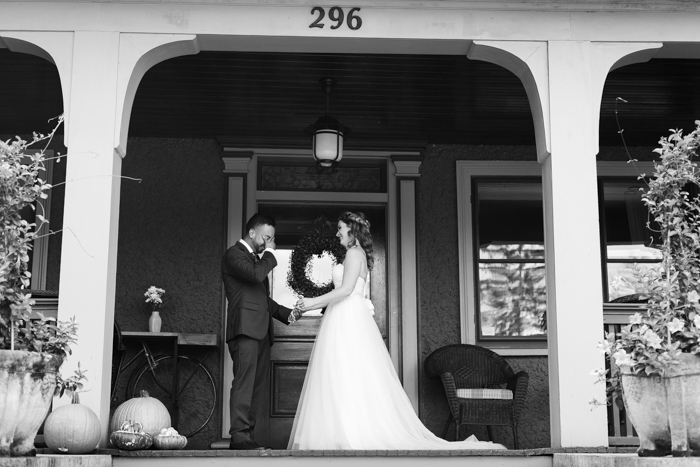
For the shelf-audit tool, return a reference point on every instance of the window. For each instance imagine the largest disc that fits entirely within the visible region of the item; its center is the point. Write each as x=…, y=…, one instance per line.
x=510, y=275
x=501, y=248
x=627, y=242
x=501, y=256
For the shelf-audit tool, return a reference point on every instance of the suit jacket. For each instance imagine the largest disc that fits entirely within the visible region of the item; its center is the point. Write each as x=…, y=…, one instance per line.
x=250, y=308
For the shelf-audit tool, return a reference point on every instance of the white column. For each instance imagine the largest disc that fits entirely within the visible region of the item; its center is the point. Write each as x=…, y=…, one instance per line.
x=564, y=83
x=105, y=70
x=577, y=73
x=91, y=212
x=407, y=174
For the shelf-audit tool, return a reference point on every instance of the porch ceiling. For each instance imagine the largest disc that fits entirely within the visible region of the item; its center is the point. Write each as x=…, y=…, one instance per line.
x=389, y=101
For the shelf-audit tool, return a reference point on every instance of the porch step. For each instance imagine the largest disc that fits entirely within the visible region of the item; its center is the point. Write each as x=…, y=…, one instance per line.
x=58, y=460
x=628, y=460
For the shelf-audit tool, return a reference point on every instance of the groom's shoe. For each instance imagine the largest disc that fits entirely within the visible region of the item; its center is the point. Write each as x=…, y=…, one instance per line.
x=247, y=446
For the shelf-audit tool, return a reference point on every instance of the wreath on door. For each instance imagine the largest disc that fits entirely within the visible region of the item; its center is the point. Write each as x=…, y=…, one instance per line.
x=317, y=242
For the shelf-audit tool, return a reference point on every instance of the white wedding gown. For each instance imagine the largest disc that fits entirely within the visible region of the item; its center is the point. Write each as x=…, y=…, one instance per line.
x=352, y=398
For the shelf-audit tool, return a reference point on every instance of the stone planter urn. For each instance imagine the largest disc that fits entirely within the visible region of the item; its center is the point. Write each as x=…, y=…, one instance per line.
x=27, y=383
x=665, y=411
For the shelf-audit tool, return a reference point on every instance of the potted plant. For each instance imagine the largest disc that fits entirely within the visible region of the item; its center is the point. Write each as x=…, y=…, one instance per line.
x=31, y=351
x=658, y=353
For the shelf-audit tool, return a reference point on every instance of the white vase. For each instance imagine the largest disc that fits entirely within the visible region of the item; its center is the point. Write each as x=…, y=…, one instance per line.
x=154, y=322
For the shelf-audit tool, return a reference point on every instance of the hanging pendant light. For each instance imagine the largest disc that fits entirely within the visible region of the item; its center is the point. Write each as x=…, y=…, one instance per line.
x=327, y=133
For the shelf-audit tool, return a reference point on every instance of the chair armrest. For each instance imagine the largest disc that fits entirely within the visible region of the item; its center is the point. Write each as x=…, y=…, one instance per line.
x=518, y=384
x=448, y=383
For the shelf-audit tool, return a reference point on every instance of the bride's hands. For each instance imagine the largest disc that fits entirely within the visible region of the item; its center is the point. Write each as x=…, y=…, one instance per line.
x=306, y=304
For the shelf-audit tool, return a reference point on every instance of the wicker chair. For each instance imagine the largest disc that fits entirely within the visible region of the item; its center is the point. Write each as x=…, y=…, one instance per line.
x=481, y=387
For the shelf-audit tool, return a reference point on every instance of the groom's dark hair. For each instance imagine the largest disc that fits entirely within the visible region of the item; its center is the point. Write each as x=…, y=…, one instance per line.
x=258, y=220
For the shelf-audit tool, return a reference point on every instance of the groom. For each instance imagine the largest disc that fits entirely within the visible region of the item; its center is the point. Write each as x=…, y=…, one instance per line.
x=249, y=326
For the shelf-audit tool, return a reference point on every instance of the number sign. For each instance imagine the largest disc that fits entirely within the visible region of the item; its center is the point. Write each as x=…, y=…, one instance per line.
x=337, y=16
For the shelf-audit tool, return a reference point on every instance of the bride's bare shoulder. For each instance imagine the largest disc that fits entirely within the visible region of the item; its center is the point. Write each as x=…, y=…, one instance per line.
x=355, y=253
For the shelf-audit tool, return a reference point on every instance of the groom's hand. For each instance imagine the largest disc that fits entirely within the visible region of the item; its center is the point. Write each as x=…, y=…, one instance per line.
x=294, y=315
x=270, y=242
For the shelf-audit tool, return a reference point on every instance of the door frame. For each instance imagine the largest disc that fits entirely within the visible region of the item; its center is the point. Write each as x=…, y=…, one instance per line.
x=240, y=168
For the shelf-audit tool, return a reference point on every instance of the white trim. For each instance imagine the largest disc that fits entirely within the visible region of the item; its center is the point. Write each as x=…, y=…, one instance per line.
x=328, y=197
x=234, y=228
x=465, y=171
x=408, y=168
x=409, y=286
x=236, y=164
x=305, y=154
x=392, y=270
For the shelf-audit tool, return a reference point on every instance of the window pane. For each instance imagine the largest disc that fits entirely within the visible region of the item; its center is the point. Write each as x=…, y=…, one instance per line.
x=512, y=299
x=622, y=281
x=633, y=251
x=626, y=216
x=512, y=251
x=278, y=175
x=510, y=219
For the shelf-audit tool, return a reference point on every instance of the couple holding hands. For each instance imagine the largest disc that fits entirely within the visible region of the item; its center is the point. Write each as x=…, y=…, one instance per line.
x=352, y=397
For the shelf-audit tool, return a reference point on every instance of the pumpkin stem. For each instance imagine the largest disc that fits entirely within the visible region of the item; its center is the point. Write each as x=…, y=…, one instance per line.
x=144, y=393
x=75, y=399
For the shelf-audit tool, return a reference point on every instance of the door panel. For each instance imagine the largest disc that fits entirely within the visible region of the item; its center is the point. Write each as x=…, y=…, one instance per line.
x=293, y=344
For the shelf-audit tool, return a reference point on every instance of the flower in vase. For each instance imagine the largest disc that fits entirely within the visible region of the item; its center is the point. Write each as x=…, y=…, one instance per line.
x=154, y=296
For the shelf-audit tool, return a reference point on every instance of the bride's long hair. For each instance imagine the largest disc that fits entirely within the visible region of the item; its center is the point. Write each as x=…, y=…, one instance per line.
x=359, y=229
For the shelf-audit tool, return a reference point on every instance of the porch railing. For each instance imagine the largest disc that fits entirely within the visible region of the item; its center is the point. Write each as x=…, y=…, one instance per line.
x=620, y=429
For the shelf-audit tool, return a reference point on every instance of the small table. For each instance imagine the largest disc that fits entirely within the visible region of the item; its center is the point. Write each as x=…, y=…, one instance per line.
x=175, y=339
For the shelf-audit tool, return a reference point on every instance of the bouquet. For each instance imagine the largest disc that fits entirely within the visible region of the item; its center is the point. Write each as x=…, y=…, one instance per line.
x=154, y=296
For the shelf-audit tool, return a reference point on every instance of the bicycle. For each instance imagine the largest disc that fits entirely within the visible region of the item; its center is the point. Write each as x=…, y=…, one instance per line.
x=193, y=402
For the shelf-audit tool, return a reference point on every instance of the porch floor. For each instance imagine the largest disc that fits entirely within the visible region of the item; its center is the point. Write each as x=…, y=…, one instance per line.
x=545, y=457
x=151, y=453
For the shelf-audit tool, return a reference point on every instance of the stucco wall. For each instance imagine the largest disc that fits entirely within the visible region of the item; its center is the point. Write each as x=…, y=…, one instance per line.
x=171, y=227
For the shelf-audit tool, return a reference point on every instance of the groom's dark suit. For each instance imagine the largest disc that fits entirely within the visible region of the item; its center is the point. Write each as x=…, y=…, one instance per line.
x=249, y=333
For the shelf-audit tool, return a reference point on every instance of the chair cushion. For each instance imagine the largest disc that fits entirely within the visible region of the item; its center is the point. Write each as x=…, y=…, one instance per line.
x=485, y=393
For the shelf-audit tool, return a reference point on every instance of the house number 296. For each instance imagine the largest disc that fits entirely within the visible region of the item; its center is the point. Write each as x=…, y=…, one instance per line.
x=336, y=15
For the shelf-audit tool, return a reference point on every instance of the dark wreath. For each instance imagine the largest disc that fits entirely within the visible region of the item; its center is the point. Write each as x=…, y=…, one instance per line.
x=314, y=243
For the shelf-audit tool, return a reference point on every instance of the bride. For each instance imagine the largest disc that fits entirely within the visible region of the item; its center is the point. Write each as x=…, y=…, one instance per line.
x=352, y=397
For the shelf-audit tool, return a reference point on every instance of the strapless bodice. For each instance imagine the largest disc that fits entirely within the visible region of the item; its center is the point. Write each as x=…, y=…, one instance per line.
x=337, y=273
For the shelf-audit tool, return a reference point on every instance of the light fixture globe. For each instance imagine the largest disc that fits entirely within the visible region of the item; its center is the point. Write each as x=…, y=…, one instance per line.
x=327, y=133
x=327, y=140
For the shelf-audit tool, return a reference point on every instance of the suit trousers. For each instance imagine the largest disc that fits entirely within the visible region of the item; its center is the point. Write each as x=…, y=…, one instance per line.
x=251, y=363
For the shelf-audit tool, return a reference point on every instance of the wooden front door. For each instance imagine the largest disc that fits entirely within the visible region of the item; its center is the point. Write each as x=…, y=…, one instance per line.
x=293, y=344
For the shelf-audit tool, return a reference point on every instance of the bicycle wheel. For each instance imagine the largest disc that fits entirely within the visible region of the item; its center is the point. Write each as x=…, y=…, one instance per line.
x=196, y=398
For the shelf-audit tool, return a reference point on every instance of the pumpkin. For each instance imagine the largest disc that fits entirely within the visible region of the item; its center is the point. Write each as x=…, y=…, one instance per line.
x=130, y=436
x=72, y=429
x=148, y=411
x=169, y=438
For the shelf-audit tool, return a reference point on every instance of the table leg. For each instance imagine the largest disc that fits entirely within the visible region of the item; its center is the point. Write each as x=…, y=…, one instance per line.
x=176, y=389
